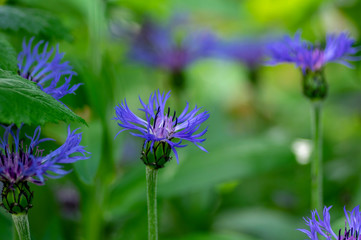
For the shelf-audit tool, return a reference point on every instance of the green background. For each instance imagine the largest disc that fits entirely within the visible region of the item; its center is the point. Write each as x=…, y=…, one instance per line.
x=249, y=185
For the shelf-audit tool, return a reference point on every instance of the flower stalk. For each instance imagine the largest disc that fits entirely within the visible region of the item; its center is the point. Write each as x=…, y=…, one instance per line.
x=22, y=226
x=151, y=176
x=316, y=164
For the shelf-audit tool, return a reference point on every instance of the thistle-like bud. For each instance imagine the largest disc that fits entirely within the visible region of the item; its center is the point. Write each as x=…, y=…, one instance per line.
x=17, y=197
x=156, y=156
x=314, y=85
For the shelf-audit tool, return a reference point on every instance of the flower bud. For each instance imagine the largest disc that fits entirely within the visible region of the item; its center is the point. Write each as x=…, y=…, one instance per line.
x=314, y=85
x=156, y=156
x=17, y=197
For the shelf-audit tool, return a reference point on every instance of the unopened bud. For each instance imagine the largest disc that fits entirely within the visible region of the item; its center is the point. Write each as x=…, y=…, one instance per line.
x=17, y=197
x=156, y=156
x=314, y=85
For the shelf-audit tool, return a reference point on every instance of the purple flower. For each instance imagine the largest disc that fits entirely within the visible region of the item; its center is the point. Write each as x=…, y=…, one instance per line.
x=160, y=126
x=26, y=162
x=46, y=70
x=311, y=57
x=319, y=227
x=156, y=45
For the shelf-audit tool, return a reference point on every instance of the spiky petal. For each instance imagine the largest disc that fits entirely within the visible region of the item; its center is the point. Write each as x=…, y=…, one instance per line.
x=161, y=125
x=24, y=161
x=321, y=227
x=44, y=67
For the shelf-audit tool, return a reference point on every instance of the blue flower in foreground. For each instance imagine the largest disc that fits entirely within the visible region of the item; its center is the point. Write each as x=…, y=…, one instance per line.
x=46, y=70
x=156, y=45
x=22, y=162
x=26, y=162
x=319, y=227
x=311, y=57
x=160, y=128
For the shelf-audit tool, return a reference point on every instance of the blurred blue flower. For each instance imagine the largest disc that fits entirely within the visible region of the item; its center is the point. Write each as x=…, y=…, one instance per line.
x=248, y=51
x=158, y=46
x=311, y=57
x=46, y=71
x=323, y=227
x=160, y=126
x=28, y=163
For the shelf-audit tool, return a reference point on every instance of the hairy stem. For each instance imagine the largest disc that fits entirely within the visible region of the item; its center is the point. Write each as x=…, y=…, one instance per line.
x=151, y=175
x=22, y=226
x=316, y=165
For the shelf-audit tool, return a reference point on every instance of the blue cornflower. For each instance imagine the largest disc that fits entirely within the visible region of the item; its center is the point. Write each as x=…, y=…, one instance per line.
x=160, y=128
x=157, y=46
x=311, y=57
x=46, y=70
x=26, y=161
x=22, y=162
x=319, y=227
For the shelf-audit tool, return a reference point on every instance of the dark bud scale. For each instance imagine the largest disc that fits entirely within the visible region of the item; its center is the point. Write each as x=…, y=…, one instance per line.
x=17, y=197
x=314, y=85
x=158, y=156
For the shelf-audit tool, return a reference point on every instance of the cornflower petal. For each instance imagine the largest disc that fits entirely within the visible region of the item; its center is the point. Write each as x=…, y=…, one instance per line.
x=319, y=227
x=46, y=69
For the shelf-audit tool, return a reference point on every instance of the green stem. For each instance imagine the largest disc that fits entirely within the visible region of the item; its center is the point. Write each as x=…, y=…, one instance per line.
x=15, y=233
x=151, y=175
x=316, y=165
x=22, y=226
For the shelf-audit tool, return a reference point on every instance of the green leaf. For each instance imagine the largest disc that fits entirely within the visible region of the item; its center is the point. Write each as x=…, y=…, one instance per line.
x=128, y=193
x=22, y=101
x=33, y=21
x=261, y=222
x=231, y=159
x=158, y=7
x=8, y=59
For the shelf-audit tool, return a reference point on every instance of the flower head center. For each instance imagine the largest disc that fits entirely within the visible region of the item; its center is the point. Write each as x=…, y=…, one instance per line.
x=16, y=164
x=313, y=59
x=317, y=59
x=164, y=126
x=27, y=75
x=348, y=235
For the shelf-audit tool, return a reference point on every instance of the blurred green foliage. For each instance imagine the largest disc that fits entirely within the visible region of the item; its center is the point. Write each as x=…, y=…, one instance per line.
x=249, y=186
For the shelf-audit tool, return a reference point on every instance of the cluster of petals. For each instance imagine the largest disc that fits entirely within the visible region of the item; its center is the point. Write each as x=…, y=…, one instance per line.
x=21, y=161
x=322, y=227
x=162, y=125
x=44, y=67
x=338, y=48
